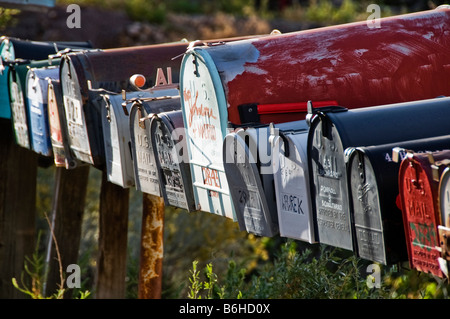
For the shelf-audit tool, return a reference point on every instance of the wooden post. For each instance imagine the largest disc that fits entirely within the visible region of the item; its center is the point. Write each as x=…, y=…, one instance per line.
x=113, y=236
x=152, y=238
x=66, y=218
x=18, y=173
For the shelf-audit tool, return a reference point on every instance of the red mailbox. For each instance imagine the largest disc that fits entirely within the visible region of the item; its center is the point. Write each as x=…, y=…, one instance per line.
x=406, y=59
x=418, y=188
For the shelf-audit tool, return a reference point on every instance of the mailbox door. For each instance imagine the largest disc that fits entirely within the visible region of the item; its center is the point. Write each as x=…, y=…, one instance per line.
x=73, y=107
x=18, y=111
x=169, y=144
x=116, y=135
x=37, y=96
x=54, y=97
x=292, y=188
x=205, y=119
x=418, y=193
x=366, y=209
x=144, y=163
x=6, y=53
x=246, y=187
x=329, y=185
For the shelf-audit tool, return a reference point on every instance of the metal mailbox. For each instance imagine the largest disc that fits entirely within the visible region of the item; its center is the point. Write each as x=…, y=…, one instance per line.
x=373, y=189
x=257, y=80
x=63, y=157
x=332, y=132
x=116, y=132
x=444, y=210
x=109, y=70
x=37, y=97
x=419, y=196
x=292, y=186
x=249, y=161
x=13, y=49
x=146, y=175
x=253, y=197
x=20, y=117
x=169, y=145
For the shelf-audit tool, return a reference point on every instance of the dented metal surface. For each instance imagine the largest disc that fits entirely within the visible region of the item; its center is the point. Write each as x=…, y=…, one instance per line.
x=37, y=98
x=421, y=218
x=99, y=68
x=407, y=59
x=333, y=132
x=170, y=148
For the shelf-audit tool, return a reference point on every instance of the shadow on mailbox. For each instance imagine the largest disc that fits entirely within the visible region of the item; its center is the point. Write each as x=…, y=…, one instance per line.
x=418, y=185
x=373, y=186
x=169, y=144
x=331, y=132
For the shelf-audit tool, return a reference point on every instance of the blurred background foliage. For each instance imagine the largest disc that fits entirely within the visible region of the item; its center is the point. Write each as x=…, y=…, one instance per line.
x=245, y=265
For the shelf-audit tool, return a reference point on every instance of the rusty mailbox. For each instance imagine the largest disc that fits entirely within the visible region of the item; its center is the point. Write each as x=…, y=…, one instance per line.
x=292, y=185
x=15, y=50
x=373, y=187
x=82, y=73
x=335, y=130
x=418, y=187
x=37, y=98
x=142, y=110
x=169, y=146
x=63, y=157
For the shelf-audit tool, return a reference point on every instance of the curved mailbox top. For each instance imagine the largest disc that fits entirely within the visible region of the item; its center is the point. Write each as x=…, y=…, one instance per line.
x=405, y=60
x=37, y=97
x=418, y=195
x=332, y=132
x=373, y=185
x=292, y=186
x=141, y=112
x=170, y=148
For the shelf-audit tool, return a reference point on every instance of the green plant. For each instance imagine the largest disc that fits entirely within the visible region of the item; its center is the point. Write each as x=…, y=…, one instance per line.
x=35, y=268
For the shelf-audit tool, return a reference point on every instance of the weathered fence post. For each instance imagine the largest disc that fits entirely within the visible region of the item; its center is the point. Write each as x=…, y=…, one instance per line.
x=66, y=221
x=18, y=172
x=150, y=273
x=112, y=241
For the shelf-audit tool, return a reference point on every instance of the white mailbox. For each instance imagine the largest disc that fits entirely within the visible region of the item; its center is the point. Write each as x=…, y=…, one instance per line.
x=292, y=186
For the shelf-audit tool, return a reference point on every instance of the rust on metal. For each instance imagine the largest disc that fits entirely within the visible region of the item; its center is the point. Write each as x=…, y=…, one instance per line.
x=152, y=250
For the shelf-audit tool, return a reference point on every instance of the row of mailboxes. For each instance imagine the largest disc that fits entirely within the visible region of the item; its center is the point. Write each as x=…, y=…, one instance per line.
x=194, y=145
x=270, y=79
